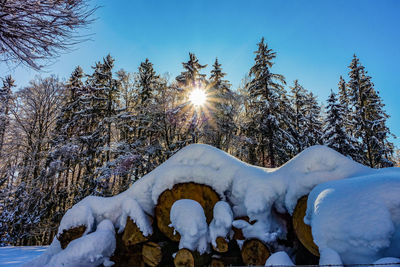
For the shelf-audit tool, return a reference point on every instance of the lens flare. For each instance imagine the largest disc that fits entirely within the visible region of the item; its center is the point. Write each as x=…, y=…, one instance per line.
x=198, y=97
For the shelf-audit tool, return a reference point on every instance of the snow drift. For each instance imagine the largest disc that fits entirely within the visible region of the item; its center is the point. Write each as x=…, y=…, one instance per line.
x=250, y=191
x=358, y=218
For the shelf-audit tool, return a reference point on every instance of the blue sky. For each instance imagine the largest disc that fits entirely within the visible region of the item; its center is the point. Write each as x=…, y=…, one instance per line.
x=314, y=40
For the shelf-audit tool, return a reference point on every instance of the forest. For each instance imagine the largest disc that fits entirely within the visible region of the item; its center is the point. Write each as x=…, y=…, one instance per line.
x=97, y=133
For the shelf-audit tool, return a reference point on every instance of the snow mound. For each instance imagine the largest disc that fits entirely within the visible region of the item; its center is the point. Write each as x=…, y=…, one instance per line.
x=279, y=258
x=93, y=249
x=187, y=217
x=92, y=210
x=359, y=218
x=388, y=262
x=221, y=224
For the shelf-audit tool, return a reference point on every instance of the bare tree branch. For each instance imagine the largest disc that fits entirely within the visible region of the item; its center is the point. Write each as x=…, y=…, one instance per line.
x=32, y=31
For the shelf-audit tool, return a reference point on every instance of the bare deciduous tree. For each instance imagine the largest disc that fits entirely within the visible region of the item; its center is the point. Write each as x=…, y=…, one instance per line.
x=32, y=31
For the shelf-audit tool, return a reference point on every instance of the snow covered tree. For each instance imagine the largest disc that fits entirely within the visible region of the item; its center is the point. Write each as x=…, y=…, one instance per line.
x=101, y=112
x=369, y=118
x=188, y=80
x=298, y=101
x=313, y=125
x=335, y=135
x=265, y=89
x=33, y=118
x=33, y=31
x=220, y=125
x=379, y=148
x=191, y=76
x=5, y=99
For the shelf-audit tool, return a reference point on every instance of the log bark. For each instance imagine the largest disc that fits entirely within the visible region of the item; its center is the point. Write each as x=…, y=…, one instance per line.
x=152, y=254
x=254, y=252
x=222, y=245
x=187, y=258
x=302, y=230
x=71, y=234
x=126, y=256
x=203, y=194
x=132, y=234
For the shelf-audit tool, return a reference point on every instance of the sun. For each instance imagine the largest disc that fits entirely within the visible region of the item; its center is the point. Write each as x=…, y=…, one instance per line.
x=198, y=97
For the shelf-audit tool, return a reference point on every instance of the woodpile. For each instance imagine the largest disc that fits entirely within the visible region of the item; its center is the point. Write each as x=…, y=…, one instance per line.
x=162, y=247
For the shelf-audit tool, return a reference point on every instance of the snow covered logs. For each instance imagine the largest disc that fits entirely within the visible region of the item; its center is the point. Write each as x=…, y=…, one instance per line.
x=156, y=250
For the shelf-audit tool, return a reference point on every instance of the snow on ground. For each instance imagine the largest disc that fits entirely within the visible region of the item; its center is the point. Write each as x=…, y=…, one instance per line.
x=359, y=218
x=15, y=256
x=250, y=191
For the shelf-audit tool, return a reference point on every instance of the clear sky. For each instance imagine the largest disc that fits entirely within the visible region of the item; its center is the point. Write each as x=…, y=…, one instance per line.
x=314, y=40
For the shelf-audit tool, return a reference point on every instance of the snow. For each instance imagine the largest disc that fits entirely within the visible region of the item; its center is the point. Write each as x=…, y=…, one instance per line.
x=359, y=218
x=93, y=249
x=279, y=258
x=221, y=224
x=258, y=193
x=388, y=262
x=15, y=256
x=187, y=217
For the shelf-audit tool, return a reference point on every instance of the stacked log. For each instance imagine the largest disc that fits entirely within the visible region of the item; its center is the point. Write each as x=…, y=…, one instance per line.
x=135, y=249
x=302, y=230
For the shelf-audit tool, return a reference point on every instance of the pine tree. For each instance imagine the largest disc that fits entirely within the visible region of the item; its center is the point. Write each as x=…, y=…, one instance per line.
x=220, y=126
x=190, y=79
x=379, y=148
x=335, y=135
x=298, y=102
x=313, y=126
x=5, y=101
x=148, y=81
x=265, y=89
x=369, y=118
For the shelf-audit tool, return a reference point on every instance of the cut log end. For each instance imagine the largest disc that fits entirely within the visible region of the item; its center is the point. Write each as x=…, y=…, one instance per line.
x=184, y=258
x=222, y=245
x=132, y=234
x=152, y=254
x=217, y=263
x=71, y=234
x=254, y=252
x=302, y=230
x=203, y=194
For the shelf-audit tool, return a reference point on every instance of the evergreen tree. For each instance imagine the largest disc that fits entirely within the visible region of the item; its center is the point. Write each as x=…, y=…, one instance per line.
x=379, y=148
x=220, y=125
x=147, y=81
x=369, y=118
x=191, y=76
x=188, y=80
x=5, y=101
x=99, y=113
x=265, y=88
x=313, y=125
x=335, y=135
x=298, y=102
